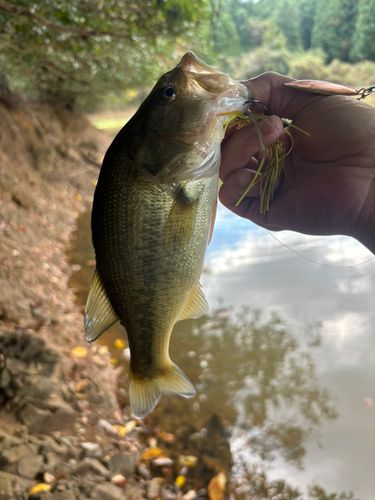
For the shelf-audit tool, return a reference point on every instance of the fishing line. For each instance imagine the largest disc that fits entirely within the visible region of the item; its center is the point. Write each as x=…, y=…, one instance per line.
x=319, y=263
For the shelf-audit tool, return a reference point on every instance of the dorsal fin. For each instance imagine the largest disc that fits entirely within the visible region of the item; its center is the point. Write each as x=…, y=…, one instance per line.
x=196, y=306
x=99, y=314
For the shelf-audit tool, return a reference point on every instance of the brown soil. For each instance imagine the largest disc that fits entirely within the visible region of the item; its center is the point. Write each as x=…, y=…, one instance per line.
x=49, y=162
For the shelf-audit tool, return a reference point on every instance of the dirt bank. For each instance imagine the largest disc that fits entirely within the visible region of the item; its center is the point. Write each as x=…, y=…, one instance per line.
x=61, y=429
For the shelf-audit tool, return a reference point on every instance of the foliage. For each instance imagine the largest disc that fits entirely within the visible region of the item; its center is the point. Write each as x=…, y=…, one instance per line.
x=69, y=49
x=364, y=47
x=72, y=47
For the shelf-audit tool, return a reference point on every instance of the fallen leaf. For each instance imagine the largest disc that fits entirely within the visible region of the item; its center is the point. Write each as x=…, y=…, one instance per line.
x=119, y=344
x=180, y=481
x=151, y=453
x=216, y=487
x=38, y=488
x=78, y=352
x=121, y=429
x=187, y=460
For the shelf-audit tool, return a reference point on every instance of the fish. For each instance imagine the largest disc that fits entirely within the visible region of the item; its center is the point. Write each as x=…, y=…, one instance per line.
x=152, y=218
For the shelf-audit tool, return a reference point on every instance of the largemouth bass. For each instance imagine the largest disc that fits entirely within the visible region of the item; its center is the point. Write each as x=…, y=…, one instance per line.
x=153, y=211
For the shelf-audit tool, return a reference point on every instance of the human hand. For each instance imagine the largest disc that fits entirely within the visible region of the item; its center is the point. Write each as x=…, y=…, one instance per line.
x=329, y=183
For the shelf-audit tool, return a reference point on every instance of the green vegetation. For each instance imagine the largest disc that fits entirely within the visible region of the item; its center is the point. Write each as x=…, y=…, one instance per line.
x=76, y=50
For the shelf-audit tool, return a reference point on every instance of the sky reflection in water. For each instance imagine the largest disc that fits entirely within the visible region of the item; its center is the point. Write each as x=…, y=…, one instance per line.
x=292, y=381
x=248, y=266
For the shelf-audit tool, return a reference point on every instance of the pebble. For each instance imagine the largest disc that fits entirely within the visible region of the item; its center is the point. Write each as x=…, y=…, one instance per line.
x=144, y=472
x=48, y=478
x=163, y=462
x=15, y=453
x=107, y=491
x=30, y=466
x=107, y=427
x=6, y=490
x=90, y=465
x=154, y=488
x=190, y=495
x=119, y=480
x=92, y=449
x=124, y=463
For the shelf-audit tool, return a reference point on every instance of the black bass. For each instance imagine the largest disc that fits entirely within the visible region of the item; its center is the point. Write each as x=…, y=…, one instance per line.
x=153, y=212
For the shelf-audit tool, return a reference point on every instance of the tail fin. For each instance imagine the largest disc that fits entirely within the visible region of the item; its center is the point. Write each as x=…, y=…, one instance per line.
x=144, y=394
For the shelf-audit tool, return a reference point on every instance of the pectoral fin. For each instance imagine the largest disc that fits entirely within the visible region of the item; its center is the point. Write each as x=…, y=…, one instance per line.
x=197, y=305
x=99, y=314
x=181, y=219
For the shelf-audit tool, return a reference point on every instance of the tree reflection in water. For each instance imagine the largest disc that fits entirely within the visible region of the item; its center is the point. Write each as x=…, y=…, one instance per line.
x=254, y=381
x=257, y=393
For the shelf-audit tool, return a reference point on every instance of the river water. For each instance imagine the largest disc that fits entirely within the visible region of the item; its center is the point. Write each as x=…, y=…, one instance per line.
x=284, y=363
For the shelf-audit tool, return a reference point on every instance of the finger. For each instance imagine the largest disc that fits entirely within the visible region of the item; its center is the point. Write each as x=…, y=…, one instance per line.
x=234, y=187
x=282, y=101
x=239, y=149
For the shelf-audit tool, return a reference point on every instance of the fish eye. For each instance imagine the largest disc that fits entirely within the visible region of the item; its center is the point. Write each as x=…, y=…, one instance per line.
x=168, y=93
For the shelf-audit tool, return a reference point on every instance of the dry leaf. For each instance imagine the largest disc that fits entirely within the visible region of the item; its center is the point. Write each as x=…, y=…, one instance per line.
x=216, y=487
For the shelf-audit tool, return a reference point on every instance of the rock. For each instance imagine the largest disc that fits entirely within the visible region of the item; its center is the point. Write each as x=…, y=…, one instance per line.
x=57, y=416
x=144, y=472
x=134, y=492
x=38, y=386
x=107, y=428
x=49, y=356
x=124, y=463
x=15, y=453
x=107, y=491
x=52, y=459
x=90, y=465
x=21, y=199
x=7, y=441
x=163, y=462
x=154, y=488
x=32, y=348
x=50, y=445
x=48, y=478
x=59, y=495
x=6, y=490
x=13, y=487
x=16, y=366
x=92, y=449
x=5, y=378
x=190, y=495
x=30, y=466
x=119, y=480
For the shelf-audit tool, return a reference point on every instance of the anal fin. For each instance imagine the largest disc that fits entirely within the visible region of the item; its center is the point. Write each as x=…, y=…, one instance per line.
x=99, y=314
x=196, y=306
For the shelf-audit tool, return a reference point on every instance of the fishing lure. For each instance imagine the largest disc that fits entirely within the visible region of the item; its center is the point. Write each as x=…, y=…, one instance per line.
x=328, y=88
x=272, y=163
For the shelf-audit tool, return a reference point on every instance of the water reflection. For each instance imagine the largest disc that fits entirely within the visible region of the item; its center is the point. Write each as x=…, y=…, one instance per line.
x=262, y=400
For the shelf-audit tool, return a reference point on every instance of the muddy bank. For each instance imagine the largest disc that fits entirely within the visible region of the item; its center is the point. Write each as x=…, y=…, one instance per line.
x=63, y=435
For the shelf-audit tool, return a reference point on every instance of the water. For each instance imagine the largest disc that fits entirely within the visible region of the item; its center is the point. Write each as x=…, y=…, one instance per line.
x=284, y=363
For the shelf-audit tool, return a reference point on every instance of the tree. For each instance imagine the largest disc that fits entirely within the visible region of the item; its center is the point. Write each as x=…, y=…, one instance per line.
x=346, y=27
x=72, y=47
x=364, y=47
x=307, y=17
x=287, y=19
x=334, y=27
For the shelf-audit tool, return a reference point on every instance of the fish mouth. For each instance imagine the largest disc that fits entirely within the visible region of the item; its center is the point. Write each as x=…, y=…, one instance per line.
x=207, y=83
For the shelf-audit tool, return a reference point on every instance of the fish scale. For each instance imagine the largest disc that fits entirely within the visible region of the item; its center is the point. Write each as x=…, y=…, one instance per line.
x=153, y=211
